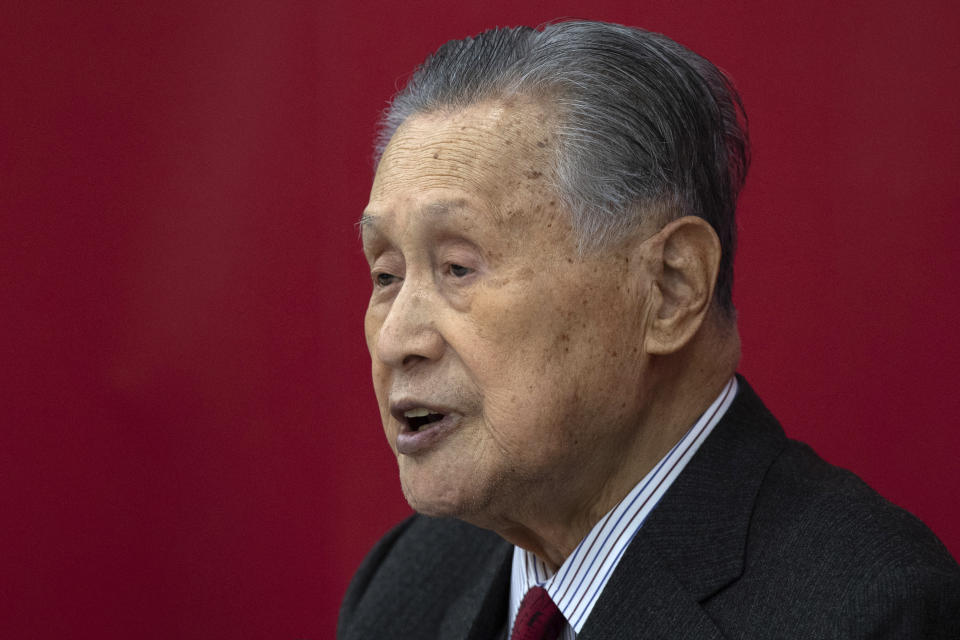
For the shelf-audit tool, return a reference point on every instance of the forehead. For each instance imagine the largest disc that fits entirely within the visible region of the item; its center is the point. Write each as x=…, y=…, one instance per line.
x=494, y=154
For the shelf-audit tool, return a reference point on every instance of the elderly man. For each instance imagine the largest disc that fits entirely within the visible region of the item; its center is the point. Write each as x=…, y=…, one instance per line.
x=550, y=236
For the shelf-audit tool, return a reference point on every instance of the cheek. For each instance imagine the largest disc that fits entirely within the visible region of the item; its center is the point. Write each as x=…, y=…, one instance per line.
x=379, y=372
x=524, y=362
x=571, y=359
x=521, y=346
x=372, y=321
x=381, y=387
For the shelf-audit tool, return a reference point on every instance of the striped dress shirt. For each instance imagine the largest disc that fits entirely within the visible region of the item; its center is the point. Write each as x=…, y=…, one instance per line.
x=578, y=583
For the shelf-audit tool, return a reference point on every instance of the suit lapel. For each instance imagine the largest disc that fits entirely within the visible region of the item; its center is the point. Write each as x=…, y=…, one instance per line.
x=647, y=603
x=693, y=544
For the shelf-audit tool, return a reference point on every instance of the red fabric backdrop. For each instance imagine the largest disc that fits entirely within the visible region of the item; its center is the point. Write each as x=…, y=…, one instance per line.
x=189, y=444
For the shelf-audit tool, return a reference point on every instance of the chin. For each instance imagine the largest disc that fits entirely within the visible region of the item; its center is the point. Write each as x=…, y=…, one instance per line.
x=435, y=498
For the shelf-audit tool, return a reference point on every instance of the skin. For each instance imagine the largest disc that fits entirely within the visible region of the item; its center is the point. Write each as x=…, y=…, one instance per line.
x=567, y=376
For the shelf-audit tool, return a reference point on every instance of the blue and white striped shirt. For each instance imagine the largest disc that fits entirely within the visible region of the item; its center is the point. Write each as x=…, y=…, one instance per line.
x=578, y=583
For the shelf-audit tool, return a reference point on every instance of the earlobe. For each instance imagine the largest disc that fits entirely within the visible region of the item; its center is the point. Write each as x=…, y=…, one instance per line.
x=689, y=257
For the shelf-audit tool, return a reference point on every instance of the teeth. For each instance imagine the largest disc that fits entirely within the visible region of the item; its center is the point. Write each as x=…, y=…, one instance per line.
x=416, y=413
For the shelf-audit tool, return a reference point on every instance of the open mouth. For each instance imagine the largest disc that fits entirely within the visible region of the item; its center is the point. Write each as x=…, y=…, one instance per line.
x=418, y=419
x=423, y=428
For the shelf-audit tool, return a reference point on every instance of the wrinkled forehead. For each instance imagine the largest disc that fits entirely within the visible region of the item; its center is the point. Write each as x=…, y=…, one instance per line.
x=494, y=151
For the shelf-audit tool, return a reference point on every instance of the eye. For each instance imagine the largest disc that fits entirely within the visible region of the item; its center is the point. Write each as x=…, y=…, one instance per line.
x=459, y=271
x=384, y=279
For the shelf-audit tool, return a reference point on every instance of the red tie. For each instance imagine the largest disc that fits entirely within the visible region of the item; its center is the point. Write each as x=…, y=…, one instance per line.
x=538, y=618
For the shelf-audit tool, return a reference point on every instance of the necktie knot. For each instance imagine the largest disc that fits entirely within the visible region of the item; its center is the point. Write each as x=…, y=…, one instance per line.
x=538, y=617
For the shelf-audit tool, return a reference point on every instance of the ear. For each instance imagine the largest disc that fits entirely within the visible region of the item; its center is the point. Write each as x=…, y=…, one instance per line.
x=686, y=258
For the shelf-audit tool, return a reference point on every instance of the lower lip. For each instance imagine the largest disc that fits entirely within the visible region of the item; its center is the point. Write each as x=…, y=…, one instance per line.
x=411, y=443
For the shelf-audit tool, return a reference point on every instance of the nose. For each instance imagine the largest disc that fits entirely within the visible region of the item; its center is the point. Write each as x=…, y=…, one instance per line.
x=409, y=333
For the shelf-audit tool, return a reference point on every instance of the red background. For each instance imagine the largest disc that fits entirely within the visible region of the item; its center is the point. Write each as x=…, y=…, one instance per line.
x=190, y=446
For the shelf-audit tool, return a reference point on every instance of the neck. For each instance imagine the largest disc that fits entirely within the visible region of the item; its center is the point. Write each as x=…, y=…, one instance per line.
x=682, y=387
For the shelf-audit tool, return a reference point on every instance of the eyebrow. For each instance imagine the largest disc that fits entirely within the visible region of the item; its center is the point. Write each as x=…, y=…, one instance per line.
x=366, y=220
x=437, y=208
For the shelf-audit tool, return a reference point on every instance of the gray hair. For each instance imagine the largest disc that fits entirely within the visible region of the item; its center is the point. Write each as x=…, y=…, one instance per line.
x=645, y=124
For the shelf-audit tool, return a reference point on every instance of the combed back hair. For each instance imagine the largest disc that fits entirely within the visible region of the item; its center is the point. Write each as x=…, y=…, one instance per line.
x=645, y=126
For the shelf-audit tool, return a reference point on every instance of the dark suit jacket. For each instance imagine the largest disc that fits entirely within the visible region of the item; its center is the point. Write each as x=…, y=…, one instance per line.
x=757, y=538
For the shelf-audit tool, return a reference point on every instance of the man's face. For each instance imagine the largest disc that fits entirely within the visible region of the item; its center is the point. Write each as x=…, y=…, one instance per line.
x=507, y=368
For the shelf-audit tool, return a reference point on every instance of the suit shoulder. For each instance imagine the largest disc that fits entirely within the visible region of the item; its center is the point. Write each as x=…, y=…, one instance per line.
x=369, y=566
x=419, y=537
x=849, y=559
x=421, y=560
x=822, y=508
